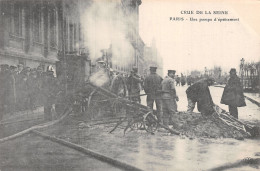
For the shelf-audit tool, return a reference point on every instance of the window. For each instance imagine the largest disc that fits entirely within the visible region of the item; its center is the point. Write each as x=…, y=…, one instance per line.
x=66, y=35
x=71, y=36
x=37, y=24
x=53, y=40
x=75, y=37
x=16, y=19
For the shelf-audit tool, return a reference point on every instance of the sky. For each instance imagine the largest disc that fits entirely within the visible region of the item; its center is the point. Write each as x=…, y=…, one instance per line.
x=193, y=45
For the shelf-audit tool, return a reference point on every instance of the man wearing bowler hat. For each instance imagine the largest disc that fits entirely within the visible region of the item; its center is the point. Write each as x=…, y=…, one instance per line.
x=169, y=98
x=152, y=87
x=233, y=94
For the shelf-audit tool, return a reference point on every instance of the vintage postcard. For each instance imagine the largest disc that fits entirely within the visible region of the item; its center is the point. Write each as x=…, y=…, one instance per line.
x=129, y=85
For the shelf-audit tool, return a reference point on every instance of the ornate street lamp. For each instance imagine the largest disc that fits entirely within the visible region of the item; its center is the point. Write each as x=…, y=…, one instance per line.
x=242, y=63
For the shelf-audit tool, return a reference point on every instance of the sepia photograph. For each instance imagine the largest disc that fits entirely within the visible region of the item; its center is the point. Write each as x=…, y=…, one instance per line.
x=136, y=85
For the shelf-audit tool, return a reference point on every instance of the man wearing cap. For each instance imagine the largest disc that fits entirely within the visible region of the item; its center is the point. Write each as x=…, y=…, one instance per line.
x=19, y=68
x=233, y=94
x=199, y=93
x=169, y=98
x=134, y=85
x=152, y=87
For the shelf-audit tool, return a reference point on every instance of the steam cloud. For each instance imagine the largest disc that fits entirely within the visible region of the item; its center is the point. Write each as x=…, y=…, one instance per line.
x=104, y=24
x=99, y=78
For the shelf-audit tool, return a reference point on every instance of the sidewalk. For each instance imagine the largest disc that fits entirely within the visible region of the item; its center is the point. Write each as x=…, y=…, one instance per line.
x=253, y=97
x=21, y=115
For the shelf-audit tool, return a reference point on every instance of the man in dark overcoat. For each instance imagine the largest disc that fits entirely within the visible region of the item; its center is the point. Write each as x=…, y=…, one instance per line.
x=23, y=89
x=33, y=89
x=152, y=87
x=199, y=93
x=233, y=94
x=183, y=80
x=11, y=89
x=3, y=89
x=49, y=94
x=134, y=82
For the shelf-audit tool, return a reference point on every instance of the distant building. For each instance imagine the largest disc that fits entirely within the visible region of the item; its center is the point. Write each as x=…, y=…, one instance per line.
x=153, y=58
x=130, y=10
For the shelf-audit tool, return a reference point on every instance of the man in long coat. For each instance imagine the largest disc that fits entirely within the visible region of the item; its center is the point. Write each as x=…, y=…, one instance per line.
x=3, y=89
x=233, y=94
x=33, y=89
x=22, y=89
x=183, y=80
x=169, y=98
x=199, y=93
x=11, y=89
x=134, y=82
x=152, y=87
x=49, y=92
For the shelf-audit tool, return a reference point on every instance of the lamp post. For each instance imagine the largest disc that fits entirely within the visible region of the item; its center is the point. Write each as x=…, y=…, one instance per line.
x=206, y=71
x=219, y=72
x=242, y=62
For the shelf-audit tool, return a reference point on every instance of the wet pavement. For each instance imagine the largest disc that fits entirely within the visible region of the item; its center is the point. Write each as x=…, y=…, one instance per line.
x=255, y=97
x=33, y=153
x=160, y=151
x=250, y=113
x=18, y=121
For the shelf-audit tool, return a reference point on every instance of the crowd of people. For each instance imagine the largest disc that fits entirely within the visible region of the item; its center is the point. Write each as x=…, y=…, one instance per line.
x=180, y=81
x=24, y=88
x=163, y=93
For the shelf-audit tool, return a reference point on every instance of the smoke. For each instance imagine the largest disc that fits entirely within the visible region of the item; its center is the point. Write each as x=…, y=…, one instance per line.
x=99, y=78
x=104, y=26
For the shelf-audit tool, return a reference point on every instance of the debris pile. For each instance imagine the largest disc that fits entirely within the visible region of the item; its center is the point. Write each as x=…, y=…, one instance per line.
x=100, y=101
x=196, y=125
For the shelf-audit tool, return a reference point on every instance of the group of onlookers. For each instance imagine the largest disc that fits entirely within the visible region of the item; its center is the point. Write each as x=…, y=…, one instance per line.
x=22, y=88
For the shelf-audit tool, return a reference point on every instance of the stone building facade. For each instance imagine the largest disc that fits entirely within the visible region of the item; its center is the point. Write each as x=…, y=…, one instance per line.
x=33, y=32
x=130, y=10
x=41, y=32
